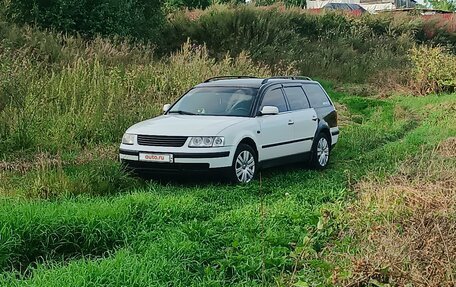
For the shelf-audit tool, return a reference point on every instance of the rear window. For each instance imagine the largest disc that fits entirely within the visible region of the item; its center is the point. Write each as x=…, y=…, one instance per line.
x=316, y=96
x=296, y=98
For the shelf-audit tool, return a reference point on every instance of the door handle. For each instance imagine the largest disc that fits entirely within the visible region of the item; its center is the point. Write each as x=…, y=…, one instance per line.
x=290, y=122
x=314, y=118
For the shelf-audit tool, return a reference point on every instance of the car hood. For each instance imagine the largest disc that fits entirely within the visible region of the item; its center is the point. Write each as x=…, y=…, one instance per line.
x=185, y=125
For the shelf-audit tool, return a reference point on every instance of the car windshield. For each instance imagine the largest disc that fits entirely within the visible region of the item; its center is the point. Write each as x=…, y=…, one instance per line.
x=216, y=101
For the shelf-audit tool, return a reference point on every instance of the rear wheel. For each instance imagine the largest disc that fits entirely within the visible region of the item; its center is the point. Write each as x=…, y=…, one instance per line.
x=244, y=167
x=320, y=151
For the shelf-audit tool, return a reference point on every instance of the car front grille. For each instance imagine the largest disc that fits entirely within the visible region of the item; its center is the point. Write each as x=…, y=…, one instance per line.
x=169, y=141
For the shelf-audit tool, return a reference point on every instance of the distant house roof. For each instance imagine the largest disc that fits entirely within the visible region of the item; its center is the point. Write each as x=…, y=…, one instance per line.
x=344, y=6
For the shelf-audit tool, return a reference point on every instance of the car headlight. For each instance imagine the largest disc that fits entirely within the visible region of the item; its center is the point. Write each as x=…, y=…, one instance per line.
x=128, y=139
x=207, y=142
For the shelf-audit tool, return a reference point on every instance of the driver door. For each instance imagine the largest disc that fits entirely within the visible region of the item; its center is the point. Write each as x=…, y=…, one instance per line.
x=276, y=131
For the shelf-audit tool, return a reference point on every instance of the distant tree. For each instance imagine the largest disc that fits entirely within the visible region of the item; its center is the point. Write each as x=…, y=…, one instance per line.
x=447, y=5
x=140, y=19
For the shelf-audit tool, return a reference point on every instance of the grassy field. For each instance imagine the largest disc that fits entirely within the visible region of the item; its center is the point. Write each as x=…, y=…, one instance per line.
x=292, y=226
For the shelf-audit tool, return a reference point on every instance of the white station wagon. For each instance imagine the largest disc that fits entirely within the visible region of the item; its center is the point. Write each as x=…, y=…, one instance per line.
x=236, y=124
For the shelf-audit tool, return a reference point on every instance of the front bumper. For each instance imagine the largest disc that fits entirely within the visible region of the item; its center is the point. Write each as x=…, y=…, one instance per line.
x=203, y=160
x=159, y=168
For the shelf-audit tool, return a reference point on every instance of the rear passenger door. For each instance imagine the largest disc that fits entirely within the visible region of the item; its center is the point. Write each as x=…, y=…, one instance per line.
x=304, y=117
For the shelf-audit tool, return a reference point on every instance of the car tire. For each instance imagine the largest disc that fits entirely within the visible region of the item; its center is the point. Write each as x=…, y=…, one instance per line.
x=321, y=151
x=245, y=165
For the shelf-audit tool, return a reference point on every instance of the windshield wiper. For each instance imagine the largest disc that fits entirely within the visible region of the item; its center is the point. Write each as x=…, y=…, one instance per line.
x=181, y=113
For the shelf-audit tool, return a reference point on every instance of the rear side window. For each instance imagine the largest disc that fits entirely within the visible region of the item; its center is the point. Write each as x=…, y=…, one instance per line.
x=274, y=98
x=316, y=96
x=296, y=98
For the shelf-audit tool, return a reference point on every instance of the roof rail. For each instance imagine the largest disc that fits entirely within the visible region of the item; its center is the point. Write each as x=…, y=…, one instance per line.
x=287, y=77
x=228, y=77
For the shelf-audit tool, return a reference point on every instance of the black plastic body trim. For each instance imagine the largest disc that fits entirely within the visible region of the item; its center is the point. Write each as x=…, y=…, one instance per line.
x=128, y=152
x=289, y=159
x=229, y=77
x=335, y=133
x=322, y=126
x=163, y=168
x=202, y=155
x=286, y=78
x=288, y=142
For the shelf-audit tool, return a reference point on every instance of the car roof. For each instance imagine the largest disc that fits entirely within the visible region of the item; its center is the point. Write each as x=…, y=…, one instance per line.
x=249, y=82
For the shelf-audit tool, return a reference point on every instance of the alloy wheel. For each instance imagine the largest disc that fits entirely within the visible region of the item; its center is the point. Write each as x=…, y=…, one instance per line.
x=322, y=151
x=245, y=166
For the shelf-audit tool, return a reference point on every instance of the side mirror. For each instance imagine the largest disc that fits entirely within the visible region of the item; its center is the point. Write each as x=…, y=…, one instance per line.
x=166, y=107
x=269, y=110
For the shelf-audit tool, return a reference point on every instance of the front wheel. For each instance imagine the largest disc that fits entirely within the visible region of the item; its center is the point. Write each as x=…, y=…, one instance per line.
x=244, y=166
x=320, y=152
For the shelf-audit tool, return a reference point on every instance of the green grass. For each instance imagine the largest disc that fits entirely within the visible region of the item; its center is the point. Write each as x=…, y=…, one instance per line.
x=205, y=233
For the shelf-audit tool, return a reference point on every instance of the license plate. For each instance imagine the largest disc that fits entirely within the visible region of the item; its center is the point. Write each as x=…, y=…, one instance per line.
x=156, y=157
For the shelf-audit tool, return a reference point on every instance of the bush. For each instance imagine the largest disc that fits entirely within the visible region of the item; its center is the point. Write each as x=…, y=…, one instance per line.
x=136, y=18
x=434, y=70
x=335, y=46
x=330, y=45
x=265, y=34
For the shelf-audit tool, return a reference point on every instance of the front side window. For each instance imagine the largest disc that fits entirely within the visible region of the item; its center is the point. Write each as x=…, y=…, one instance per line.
x=216, y=101
x=274, y=98
x=316, y=96
x=296, y=98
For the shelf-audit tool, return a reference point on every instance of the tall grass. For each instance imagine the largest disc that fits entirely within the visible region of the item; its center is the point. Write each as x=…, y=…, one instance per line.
x=367, y=49
x=399, y=229
x=40, y=232
x=57, y=96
